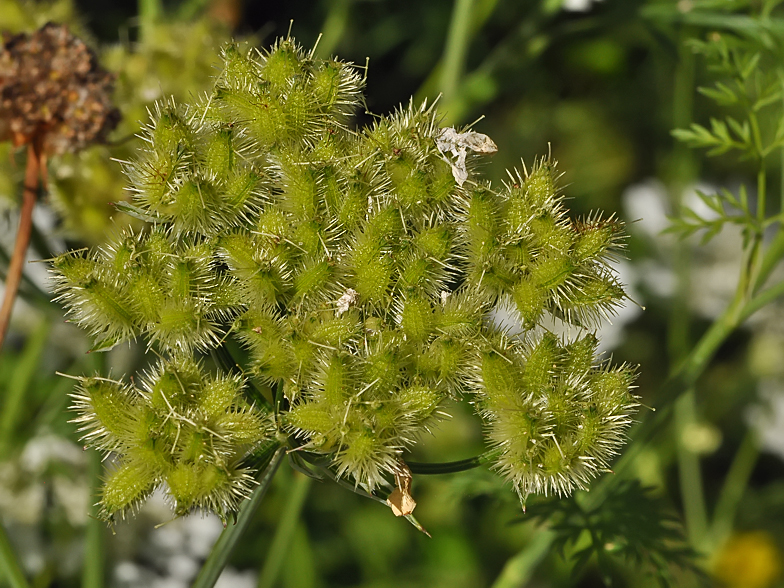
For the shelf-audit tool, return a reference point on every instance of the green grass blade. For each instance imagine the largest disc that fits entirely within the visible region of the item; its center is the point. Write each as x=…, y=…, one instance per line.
x=285, y=531
x=9, y=564
x=223, y=548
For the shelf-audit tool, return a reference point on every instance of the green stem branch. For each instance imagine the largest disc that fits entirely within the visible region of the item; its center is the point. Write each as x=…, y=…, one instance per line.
x=276, y=554
x=689, y=473
x=732, y=491
x=451, y=467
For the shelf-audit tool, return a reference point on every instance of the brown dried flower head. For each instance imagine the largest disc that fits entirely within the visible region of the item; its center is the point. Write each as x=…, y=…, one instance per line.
x=52, y=90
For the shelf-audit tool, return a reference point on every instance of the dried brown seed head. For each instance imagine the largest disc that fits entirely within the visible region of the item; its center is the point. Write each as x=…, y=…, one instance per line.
x=52, y=90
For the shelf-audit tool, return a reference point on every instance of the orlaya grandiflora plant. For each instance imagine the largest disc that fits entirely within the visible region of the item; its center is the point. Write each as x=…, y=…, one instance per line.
x=358, y=269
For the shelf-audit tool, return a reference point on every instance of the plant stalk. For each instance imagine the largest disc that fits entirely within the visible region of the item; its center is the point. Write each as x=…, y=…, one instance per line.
x=19, y=383
x=219, y=556
x=276, y=555
x=14, y=276
x=451, y=467
x=732, y=491
x=9, y=564
x=689, y=474
x=456, y=48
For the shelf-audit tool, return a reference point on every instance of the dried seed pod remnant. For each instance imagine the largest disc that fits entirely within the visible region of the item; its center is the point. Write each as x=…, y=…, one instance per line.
x=52, y=90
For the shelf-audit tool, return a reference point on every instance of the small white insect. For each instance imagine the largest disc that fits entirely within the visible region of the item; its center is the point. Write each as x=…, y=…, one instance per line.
x=345, y=301
x=450, y=141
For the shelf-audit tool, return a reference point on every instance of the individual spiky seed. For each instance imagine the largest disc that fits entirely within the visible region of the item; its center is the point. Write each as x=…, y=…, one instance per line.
x=361, y=270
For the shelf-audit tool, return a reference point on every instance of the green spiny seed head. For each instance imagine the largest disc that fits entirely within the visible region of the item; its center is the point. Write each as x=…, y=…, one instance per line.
x=372, y=271
x=175, y=385
x=362, y=270
x=541, y=186
x=326, y=85
x=186, y=486
x=95, y=298
x=416, y=319
x=419, y=401
x=482, y=223
x=542, y=364
x=310, y=418
x=595, y=237
x=500, y=380
x=549, y=234
x=282, y=65
x=146, y=295
x=459, y=316
x=612, y=387
x=365, y=457
x=337, y=330
x=74, y=270
x=382, y=367
x=336, y=382
x=242, y=195
x=195, y=208
x=243, y=427
x=219, y=394
x=239, y=68
x=107, y=411
x=580, y=355
x=219, y=153
x=551, y=270
x=170, y=133
x=312, y=279
x=596, y=297
x=530, y=299
x=126, y=488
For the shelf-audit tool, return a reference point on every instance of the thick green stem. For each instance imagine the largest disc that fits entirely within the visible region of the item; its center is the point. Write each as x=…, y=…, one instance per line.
x=761, y=300
x=771, y=258
x=698, y=359
x=9, y=564
x=225, y=544
x=689, y=473
x=276, y=554
x=733, y=488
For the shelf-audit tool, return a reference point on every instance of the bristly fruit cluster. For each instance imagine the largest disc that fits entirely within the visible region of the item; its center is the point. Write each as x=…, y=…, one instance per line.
x=359, y=269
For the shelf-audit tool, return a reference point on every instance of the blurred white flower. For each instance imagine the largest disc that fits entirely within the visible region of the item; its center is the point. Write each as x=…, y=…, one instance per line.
x=767, y=418
x=578, y=5
x=41, y=451
x=646, y=207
